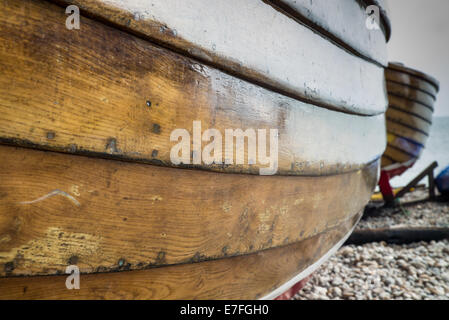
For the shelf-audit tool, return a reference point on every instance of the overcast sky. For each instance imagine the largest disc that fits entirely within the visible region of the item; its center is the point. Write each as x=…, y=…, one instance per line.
x=420, y=39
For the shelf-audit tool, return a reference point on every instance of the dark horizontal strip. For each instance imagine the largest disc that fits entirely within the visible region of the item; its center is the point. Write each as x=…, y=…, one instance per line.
x=398, y=235
x=413, y=87
x=409, y=113
x=402, y=151
x=385, y=20
x=412, y=100
x=301, y=19
x=241, y=74
x=408, y=126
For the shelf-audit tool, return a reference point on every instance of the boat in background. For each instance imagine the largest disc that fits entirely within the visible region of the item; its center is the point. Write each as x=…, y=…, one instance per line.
x=442, y=182
x=411, y=95
x=86, y=118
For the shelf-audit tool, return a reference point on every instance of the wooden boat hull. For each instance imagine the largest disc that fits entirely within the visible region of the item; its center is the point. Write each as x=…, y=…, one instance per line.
x=163, y=215
x=87, y=178
x=251, y=276
x=411, y=97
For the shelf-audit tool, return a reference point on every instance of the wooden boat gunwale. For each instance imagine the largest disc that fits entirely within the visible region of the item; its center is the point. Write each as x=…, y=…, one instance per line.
x=192, y=92
x=149, y=30
x=415, y=73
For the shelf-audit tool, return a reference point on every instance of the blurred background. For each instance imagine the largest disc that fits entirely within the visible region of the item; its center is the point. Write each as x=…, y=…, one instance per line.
x=420, y=40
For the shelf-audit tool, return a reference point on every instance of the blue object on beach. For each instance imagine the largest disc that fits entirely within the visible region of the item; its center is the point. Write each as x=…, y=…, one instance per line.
x=442, y=181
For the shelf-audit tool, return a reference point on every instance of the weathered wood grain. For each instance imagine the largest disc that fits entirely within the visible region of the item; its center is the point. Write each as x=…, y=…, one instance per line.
x=256, y=42
x=113, y=215
x=245, y=277
x=103, y=92
x=334, y=19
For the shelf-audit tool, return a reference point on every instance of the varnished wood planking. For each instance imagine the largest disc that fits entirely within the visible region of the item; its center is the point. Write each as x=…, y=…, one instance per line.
x=404, y=144
x=411, y=96
x=114, y=215
x=410, y=106
x=386, y=161
x=408, y=119
x=399, y=67
x=407, y=132
x=332, y=18
x=245, y=277
x=86, y=92
x=411, y=81
x=235, y=36
x=405, y=91
x=398, y=156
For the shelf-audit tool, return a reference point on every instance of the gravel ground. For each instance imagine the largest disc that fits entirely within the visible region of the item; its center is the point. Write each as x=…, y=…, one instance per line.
x=382, y=271
x=428, y=214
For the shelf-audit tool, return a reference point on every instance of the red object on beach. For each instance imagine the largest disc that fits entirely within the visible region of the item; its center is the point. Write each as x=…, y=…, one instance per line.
x=384, y=181
x=287, y=295
x=384, y=185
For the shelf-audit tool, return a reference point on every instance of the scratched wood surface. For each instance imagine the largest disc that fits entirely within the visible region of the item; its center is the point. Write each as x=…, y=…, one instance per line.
x=244, y=277
x=112, y=215
x=411, y=95
x=332, y=18
x=253, y=40
x=75, y=91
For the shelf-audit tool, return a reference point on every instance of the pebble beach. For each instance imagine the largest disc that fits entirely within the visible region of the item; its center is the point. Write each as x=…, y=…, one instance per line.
x=381, y=271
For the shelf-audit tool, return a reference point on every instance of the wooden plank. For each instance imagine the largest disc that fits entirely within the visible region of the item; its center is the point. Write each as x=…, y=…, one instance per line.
x=404, y=144
x=245, y=277
x=408, y=119
x=405, y=91
x=415, y=74
x=411, y=81
x=386, y=161
x=417, y=179
x=334, y=19
x=397, y=155
x=256, y=42
x=410, y=106
x=113, y=215
x=89, y=92
x=406, y=132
